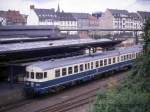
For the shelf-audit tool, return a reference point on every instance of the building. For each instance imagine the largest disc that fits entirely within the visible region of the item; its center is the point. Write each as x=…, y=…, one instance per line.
x=120, y=19
x=42, y=16
x=82, y=19
x=62, y=19
x=12, y=17
x=67, y=21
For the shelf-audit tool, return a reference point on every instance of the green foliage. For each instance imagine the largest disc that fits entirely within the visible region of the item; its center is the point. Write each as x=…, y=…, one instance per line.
x=133, y=95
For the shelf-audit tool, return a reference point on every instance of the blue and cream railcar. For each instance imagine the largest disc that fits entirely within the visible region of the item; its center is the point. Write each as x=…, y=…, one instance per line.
x=44, y=75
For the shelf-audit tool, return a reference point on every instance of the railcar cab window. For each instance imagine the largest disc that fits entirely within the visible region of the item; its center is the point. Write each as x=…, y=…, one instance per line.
x=70, y=70
x=64, y=71
x=114, y=60
x=45, y=74
x=86, y=66
x=27, y=74
x=57, y=73
x=32, y=75
x=109, y=61
x=75, y=69
x=39, y=75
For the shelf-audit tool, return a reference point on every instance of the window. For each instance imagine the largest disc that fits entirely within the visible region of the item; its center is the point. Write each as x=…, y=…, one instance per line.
x=27, y=74
x=114, y=60
x=121, y=58
x=57, y=73
x=64, y=71
x=70, y=70
x=81, y=67
x=105, y=61
x=86, y=66
x=118, y=59
x=32, y=75
x=91, y=65
x=45, y=74
x=101, y=62
x=75, y=69
x=97, y=64
x=109, y=61
x=39, y=75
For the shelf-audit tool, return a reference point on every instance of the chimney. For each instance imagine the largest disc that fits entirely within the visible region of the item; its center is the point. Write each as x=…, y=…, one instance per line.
x=31, y=6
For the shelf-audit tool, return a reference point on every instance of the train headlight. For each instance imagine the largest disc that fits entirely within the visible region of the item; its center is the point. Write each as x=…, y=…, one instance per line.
x=27, y=83
x=37, y=84
x=32, y=84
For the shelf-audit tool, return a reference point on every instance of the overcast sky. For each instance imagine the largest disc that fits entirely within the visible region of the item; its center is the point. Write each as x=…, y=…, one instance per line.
x=76, y=5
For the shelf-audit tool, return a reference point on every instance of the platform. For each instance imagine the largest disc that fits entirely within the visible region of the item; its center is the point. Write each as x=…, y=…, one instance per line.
x=10, y=94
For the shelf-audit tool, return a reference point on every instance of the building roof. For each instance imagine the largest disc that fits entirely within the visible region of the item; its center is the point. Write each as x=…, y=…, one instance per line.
x=62, y=16
x=45, y=13
x=119, y=13
x=12, y=16
x=81, y=15
x=134, y=15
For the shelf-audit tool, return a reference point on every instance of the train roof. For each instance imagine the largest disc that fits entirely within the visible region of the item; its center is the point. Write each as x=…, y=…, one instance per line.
x=46, y=65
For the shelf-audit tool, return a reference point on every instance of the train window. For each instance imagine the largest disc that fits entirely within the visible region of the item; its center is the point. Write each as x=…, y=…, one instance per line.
x=129, y=56
x=81, y=67
x=114, y=60
x=86, y=66
x=118, y=58
x=137, y=55
x=57, y=73
x=105, y=61
x=64, y=71
x=70, y=70
x=124, y=57
x=27, y=74
x=39, y=75
x=101, y=62
x=32, y=75
x=45, y=74
x=121, y=58
x=97, y=64
x=91, y=65
x=109, y=61
x=75, y=69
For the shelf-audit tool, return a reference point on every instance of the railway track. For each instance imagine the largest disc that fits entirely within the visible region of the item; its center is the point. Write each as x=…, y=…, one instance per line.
x=15, y=105
x=71, y=103
x=78, y=99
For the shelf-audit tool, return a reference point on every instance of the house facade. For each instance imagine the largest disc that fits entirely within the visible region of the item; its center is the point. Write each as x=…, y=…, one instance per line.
x=120, y=19
x=12, y=17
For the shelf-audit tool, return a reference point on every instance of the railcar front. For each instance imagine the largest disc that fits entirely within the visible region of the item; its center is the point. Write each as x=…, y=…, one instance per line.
x=34, y=80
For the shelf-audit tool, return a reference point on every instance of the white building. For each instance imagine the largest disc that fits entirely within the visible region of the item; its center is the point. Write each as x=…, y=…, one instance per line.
x=49, y=17
x=120, y=19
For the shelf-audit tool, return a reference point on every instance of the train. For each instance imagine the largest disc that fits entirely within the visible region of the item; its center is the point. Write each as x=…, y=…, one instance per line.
x=43, y=76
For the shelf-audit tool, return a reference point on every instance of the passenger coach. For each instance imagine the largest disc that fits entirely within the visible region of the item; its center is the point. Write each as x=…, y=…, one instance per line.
x=42, y=76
